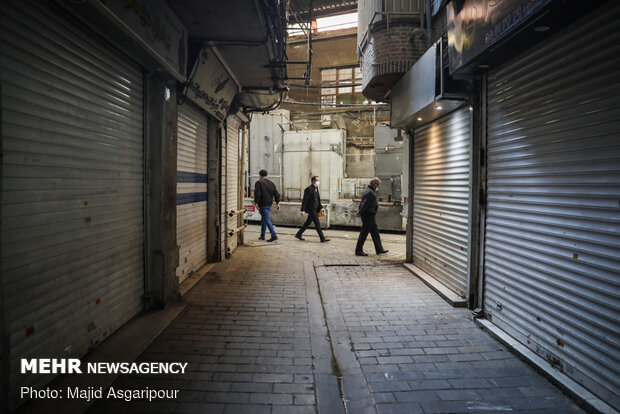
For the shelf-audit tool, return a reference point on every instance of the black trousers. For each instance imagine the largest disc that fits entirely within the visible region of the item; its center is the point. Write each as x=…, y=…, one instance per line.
x=369, y=225
x=312, y=218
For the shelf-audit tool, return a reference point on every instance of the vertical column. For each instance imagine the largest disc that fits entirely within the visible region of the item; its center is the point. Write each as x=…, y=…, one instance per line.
x=161, y=255
x=214, y=175
x=476, y=161
x=410, y=176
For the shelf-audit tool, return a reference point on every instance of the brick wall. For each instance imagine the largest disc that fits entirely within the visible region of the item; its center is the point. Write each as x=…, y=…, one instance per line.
x=389, y=53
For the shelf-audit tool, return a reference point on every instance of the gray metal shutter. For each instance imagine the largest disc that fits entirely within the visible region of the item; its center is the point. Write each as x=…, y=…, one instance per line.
x=552, y=249
x=191, y=190
x=232, y=178
x=72, y=185
x=441, y=199
x=223, y=192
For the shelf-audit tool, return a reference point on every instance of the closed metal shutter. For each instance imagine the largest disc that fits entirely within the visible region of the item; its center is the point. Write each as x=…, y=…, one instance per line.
x=223, y=192
x=191, y=190
x=552, y=249
x=72, y=185
x=441, y=199
x=232, y=178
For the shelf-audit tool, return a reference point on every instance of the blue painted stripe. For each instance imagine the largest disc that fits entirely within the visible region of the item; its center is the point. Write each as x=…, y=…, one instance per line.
x=191, y=177
x=189, y=198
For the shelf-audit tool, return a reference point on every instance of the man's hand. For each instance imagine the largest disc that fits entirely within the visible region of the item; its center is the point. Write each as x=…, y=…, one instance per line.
x=278, y=207
x=357, y=214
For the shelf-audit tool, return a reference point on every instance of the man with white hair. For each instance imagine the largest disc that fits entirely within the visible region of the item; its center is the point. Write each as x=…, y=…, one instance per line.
x=367, y=211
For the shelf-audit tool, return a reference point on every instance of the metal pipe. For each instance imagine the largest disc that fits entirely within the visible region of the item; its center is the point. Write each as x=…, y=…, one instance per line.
x=232, y=213
x=429, y=38
x=241, y=179
x=309, y=67
x=237, y=230
x=334, y=105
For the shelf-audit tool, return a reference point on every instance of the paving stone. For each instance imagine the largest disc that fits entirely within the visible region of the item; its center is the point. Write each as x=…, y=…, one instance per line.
x=245, y=409
x=402, y=408
x=247, y=334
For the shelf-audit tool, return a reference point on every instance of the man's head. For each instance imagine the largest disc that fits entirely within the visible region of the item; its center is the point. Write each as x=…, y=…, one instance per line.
x=315, y=180
x=262, y=173
x=375, y=183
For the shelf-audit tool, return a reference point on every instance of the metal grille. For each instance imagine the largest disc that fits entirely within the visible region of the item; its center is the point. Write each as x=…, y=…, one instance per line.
x=191, y=190
x=441, y=199
x=72, y=200
x=232, y=178
x=552, y=249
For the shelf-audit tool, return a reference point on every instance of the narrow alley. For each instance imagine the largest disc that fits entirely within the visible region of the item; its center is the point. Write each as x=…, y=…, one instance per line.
x=184, y=182
x=303, y=327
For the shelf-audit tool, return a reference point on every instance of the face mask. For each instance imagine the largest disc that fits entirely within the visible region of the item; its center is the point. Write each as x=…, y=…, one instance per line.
x=376, y=188
x=316, y=183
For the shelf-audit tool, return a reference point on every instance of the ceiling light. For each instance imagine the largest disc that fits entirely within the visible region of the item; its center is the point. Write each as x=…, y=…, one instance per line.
x=419, y=119
x=439, y=107
x=541, y=28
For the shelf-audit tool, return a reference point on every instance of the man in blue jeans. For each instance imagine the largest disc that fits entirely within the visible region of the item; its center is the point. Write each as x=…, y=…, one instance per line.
x=265, y=192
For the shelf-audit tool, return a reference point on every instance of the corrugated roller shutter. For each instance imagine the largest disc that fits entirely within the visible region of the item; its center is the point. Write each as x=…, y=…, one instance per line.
x=72, y=181
x=191, y=190
x=223, y=192
x=552, y=250
x=441, y=199
x=232, y=177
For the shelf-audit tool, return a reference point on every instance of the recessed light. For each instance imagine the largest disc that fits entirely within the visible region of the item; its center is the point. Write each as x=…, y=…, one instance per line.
x=419, y=119
x=541, y=28
x=439, y=107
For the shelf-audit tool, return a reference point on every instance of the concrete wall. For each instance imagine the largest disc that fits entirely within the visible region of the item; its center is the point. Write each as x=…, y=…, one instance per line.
x=360, y=158
x=342, y=213
x=162, y=253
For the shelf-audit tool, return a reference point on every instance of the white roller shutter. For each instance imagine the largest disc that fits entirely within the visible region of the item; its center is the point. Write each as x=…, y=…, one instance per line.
x=191, y=190
x=441, y=199
x=72, y=185
x=232, y=178
x=552, y=248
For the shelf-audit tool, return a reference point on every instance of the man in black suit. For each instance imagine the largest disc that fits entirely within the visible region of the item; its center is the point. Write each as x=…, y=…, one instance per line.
x=312, y=205
x=367, y=211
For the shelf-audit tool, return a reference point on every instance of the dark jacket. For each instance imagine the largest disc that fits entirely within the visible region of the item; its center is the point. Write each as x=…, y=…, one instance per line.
x=369, y=203
x=265, y=192
x=311, y=203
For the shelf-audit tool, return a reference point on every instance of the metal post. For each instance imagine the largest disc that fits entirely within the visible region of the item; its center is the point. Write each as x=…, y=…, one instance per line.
x=241, y=179
x=474, y=202
x=429, y=37
x=309, y=67
x=482, y=190
x=409, y=237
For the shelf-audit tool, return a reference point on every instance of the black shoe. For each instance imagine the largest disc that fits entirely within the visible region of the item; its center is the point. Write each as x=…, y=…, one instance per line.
x=273, y=238
x=324, y=240
x=383, y=252
x=261, y=238
x=297, y=236
x=361, y=254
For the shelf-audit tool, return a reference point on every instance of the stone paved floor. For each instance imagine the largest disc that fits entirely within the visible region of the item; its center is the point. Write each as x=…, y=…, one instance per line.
x=298, y=327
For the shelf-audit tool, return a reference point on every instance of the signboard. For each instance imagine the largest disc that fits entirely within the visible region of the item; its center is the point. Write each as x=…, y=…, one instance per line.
x=475, y=25
x=156, y=27
x=210, y=86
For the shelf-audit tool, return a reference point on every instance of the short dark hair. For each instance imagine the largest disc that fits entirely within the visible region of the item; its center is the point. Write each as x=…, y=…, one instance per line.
x=262, y=173
x=314, y=177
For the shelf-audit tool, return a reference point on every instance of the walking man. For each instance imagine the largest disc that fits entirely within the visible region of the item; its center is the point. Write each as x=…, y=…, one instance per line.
x=367, y=211
x=312, y=205
x=265, y=192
